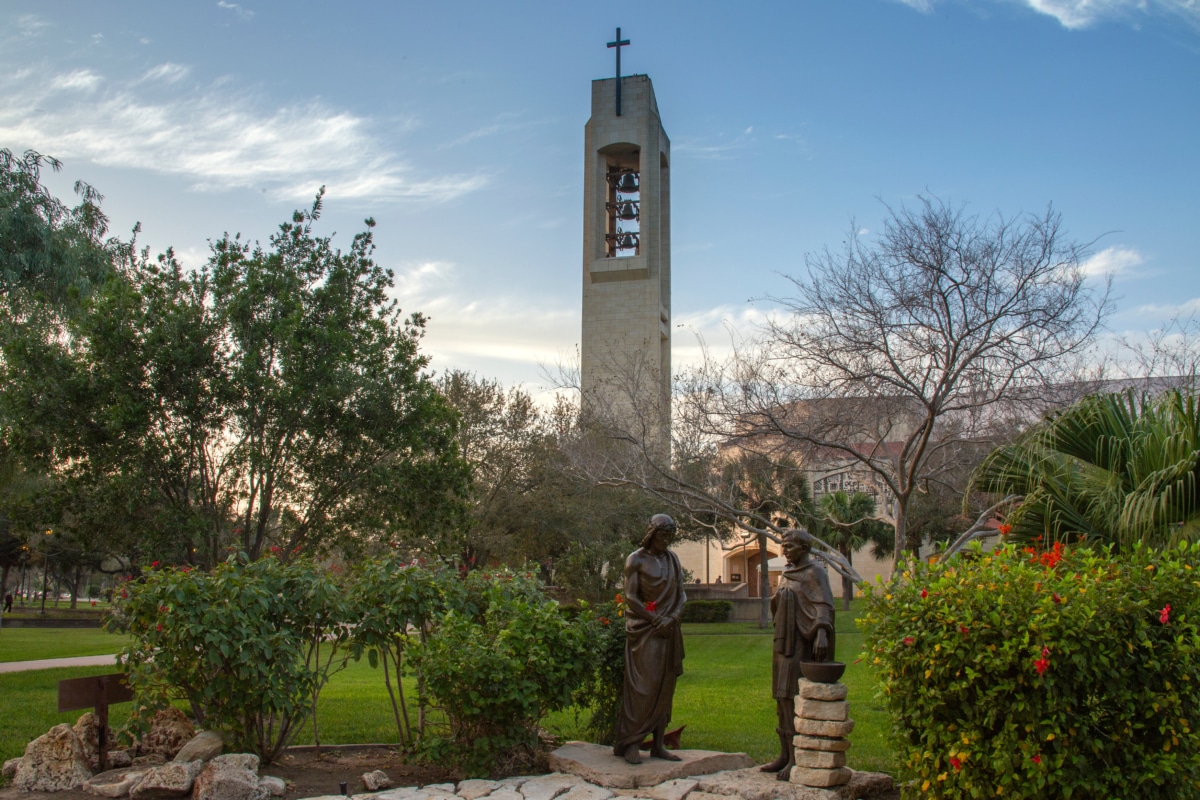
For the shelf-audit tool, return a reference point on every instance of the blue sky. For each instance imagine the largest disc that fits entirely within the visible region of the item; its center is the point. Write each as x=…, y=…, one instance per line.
x=459, y=127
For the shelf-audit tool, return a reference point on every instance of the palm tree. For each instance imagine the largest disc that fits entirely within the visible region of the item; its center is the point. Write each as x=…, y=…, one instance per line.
x=1118, y=468
x=848, y=522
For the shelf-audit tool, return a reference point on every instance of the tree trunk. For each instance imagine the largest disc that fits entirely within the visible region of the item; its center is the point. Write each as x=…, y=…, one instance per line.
x=764, y=583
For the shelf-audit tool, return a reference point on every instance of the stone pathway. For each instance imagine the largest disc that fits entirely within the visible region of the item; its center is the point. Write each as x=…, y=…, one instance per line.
x=605, y=777
x=54, y=663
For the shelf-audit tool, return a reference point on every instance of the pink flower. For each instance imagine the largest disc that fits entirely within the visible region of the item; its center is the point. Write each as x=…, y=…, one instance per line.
x=652, y=606
x=909, y=641
x=1164, y=616
x=956, y=763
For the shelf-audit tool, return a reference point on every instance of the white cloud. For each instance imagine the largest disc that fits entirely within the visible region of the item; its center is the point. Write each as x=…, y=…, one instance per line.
x=1080, y=14
x=168, y=73
x=1112, y=260
x=1171, y=310
x=242, y=13
x=31, y=25
x=216, y=138
x=80, y=79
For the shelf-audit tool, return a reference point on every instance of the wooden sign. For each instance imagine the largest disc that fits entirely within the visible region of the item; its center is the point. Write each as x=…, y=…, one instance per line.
x=96, y=692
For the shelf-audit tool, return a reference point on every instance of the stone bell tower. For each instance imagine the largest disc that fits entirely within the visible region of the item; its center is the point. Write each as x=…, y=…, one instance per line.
x=626, y=350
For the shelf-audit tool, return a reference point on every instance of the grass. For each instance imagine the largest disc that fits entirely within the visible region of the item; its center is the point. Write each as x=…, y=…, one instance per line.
x=31, y=644
x=724, y=696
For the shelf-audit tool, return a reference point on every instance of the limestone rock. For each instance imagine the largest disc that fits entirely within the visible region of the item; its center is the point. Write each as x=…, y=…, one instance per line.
x=167, y=781
x=817, y=727
x=586, y=791
x=597, y=765
x=276, y=787
x=822, y=709
x=822, y=778
x=149, y=760
x=698, y=795
x=823, y=691
x=819, y=759
x=10, y=768
x=448, y=788
x=376, y=781
x=821, y=743
x=87, y=728
x=476, y=788
x=515, y=781
x=170, y=730
x=119, y=759
x=204, y=746
x=506, y=794
x=401, y=793
x=233, y=776
x=53, y=762
x=671, y=790
x=547, y=787
x=114, y=782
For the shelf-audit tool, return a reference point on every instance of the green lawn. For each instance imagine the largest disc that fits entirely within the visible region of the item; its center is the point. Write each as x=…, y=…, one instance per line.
x=724, y=697
x=30, y=644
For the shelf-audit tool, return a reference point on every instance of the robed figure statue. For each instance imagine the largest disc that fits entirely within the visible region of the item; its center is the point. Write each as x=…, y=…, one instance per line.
x=653, y=642
x=803, y=612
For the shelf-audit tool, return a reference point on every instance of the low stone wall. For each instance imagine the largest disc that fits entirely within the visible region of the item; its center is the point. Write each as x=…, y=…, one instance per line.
x=51, y=622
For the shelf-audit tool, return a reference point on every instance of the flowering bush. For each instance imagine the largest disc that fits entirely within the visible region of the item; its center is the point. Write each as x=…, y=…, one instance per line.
x=496, y=666
x=248, y=645
x=1043, y=674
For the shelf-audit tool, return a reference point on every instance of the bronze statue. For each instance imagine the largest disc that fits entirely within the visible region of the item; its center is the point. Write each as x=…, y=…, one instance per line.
x=653, y=642
x=803, y=612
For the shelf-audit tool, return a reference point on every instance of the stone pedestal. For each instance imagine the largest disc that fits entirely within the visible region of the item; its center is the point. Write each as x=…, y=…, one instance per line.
x=822, y=725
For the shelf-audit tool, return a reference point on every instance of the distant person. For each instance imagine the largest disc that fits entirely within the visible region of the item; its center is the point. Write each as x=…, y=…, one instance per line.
x=8, y=603
x=697, y=581
x=718, y=579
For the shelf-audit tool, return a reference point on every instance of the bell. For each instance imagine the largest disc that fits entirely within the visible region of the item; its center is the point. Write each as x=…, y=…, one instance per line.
x=628, y=184
x=627, y=242
x=628, y=211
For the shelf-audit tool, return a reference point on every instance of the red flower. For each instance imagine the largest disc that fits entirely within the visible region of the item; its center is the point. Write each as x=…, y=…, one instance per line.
x=1057, y=599
x=924, y=593
x=909, y=641
x=620, y=599
x=1005, y=529
x=1164, y=616
x=956, y=763
x=652, y=606
x=962, y=629
x=153, y=564
x=1045, y=652
x=1041, y=665
x=186, y=569
x=1037, y=759
x=158, y=627
x=605, y=620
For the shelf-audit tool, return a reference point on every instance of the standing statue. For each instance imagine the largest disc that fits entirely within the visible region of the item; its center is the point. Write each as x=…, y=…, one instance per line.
x=653, y=642
x=803, y=612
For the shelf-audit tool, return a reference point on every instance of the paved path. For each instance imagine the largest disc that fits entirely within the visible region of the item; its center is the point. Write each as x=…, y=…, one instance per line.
x=52, y=663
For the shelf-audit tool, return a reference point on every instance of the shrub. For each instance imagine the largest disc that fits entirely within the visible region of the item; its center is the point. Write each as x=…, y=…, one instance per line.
x=242, y=644
x=707, y=611
x=1027, y=674
x=600, y=692
x=496, y=666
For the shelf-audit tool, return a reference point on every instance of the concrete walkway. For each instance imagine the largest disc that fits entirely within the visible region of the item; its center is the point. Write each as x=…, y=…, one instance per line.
x=52, y=663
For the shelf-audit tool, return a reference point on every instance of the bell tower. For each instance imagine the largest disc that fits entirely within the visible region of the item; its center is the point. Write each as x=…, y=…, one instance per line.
x=626, y=342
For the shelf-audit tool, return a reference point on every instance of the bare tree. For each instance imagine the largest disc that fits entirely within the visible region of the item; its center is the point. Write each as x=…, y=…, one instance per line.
x=898, y=356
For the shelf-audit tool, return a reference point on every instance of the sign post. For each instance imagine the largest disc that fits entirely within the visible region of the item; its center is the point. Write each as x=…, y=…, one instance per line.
x=96, y=692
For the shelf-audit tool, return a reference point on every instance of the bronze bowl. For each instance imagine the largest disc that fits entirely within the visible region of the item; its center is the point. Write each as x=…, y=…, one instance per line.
x=822, y=671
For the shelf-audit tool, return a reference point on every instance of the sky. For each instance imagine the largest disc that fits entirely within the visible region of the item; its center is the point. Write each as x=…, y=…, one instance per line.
x=458, y=126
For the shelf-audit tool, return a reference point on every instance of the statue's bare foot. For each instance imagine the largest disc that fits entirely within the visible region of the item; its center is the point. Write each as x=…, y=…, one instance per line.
x=664, y=754
x=632, y=755
x=784, y=774
x=775, y=765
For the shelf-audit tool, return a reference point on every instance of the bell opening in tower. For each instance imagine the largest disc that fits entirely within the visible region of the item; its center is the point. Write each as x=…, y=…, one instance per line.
x=622, y=234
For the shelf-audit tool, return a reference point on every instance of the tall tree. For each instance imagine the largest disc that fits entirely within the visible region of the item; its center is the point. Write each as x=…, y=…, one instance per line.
x=274, y=398
x=894, y=354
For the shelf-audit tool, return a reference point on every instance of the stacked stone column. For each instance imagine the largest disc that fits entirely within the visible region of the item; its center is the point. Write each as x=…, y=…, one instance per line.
x=822, y=725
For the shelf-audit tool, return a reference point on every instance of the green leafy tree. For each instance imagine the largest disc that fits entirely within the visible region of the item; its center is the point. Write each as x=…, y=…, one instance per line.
x=274, y=398
x=1115, y=468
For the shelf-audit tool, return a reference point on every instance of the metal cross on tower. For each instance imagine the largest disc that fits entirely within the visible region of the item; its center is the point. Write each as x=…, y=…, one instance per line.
x=618, y=44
